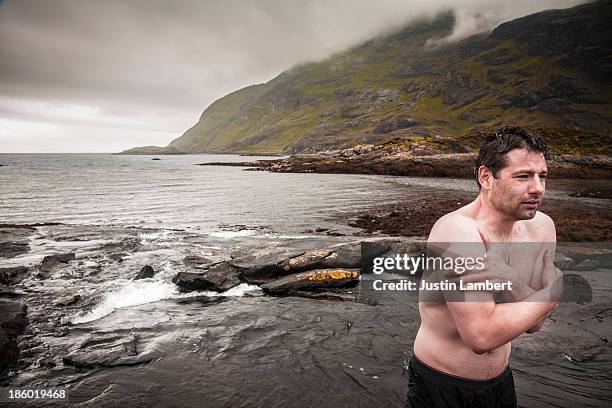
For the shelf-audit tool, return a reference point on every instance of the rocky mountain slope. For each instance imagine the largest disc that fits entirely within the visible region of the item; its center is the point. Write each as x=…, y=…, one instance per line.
x=550, y=71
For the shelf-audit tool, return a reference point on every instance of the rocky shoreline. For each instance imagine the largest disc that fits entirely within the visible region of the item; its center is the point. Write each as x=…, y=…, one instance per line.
x=444, y=158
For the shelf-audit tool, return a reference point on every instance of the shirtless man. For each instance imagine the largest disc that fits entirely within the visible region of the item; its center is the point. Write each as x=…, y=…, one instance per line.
x=462, y=349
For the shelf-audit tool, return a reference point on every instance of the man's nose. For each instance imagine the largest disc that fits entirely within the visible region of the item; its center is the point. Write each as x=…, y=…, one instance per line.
x=536, y=186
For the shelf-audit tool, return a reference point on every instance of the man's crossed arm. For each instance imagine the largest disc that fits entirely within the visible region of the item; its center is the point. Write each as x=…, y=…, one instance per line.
x=483, y=324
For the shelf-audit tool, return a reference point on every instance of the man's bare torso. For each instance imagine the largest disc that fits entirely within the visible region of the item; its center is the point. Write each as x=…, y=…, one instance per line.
x=438, y=342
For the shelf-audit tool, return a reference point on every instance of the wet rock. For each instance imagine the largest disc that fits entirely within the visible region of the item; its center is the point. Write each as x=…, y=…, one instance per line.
x=262, y=267
x=9, y=353
x=190, y=281
x=145, y=273
x=107, y=351
x=576, y=289
x=13, y=317
x=67, y=300
x=13, y=321
x=343, y=256
x=14, y=241
x=122, y=247
x=582, y=251
x=219, y=278
x=306, y=261
x=51, y=263
x=13, y=276
x=320, y=278
x=587, y=265
x=117, y=257
x=196, y=261
x=258, y=274
x=47, y=362
x=563, y=261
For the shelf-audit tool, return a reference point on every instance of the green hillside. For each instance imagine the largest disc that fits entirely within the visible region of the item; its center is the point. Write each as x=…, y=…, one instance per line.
x=551, y=71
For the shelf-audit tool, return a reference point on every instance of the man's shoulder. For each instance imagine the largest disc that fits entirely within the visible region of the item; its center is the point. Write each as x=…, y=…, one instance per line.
x=543, y=220
x=544, y=226
x=455, y=226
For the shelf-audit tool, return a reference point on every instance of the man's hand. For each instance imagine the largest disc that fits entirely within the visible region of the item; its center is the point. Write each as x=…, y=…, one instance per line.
x=550, y=273
x=552, y=277
x=496, y=270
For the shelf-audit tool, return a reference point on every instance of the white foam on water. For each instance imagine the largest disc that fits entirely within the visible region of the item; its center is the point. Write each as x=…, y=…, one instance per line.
x=236, y=291
x=140, y=292
x=131, y=293
x=241, y=290
x=233, y=234
x=147, y=238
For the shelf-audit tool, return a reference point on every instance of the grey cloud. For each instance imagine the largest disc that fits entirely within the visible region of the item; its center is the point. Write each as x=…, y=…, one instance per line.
x=165, y=61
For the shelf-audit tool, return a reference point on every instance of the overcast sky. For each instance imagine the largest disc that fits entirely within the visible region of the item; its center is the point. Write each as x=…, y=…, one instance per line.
x=104, y=76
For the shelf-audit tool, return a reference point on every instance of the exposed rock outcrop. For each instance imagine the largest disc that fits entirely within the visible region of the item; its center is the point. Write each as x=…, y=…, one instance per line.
x=320, y=278
x=13, y=321
x=418, y=159
x=107, y=351
x=67, y=300
x=52, y=263
x=145, y=273
x=219, y=277
x=13, y=276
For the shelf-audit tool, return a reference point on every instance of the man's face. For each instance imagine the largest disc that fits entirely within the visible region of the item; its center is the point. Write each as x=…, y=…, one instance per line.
x=519, y=187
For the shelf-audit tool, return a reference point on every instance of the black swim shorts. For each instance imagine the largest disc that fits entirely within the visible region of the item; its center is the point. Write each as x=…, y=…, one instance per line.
x=431, y=388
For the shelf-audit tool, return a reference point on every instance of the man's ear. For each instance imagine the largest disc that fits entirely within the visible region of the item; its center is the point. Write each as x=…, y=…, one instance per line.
x=484, y=177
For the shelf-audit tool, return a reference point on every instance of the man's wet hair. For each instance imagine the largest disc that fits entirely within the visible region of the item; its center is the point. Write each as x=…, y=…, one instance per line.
x=495, y=146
